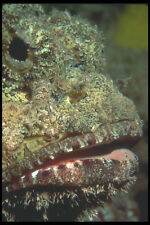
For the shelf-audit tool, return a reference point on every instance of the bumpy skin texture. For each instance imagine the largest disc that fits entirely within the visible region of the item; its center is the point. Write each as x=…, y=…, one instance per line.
x=56, y=100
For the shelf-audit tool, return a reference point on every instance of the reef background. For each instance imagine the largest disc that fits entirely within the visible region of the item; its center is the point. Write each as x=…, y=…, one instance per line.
x=125, y=28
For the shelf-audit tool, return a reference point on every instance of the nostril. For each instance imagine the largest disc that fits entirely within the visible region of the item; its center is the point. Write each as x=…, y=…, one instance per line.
x=77, y=93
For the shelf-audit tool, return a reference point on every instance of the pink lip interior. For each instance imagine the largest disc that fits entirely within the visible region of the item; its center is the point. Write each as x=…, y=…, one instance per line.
x=120, y=154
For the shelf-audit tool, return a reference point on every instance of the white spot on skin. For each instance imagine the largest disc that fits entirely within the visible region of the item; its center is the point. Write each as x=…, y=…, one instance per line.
x=7, y=189
x=47, y=169
x=82, y=145
x=79, y=162
x=116, y=178
x=34, y=174
x=70, y=165
x=51, y=108
x=55, y=168
x=69, y=150
x=39, y=162
x=22, y=178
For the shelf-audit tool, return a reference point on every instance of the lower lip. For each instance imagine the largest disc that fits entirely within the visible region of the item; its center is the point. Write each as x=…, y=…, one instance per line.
x=80, y=172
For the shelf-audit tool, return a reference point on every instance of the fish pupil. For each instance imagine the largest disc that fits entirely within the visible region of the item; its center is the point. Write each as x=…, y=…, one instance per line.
x=18, y=49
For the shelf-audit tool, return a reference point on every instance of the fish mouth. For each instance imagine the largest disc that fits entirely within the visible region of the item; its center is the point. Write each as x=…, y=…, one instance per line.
x=99, y=157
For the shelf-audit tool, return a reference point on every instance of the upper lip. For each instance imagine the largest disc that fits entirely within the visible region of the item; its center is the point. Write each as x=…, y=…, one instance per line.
x=100, y=149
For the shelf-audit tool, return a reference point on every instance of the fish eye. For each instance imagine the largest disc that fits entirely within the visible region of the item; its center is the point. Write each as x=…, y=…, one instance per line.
x=17, y=54
x=18, y=49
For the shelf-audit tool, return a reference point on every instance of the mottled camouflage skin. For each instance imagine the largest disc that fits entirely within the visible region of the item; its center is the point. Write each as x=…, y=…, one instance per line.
x=56, y=97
